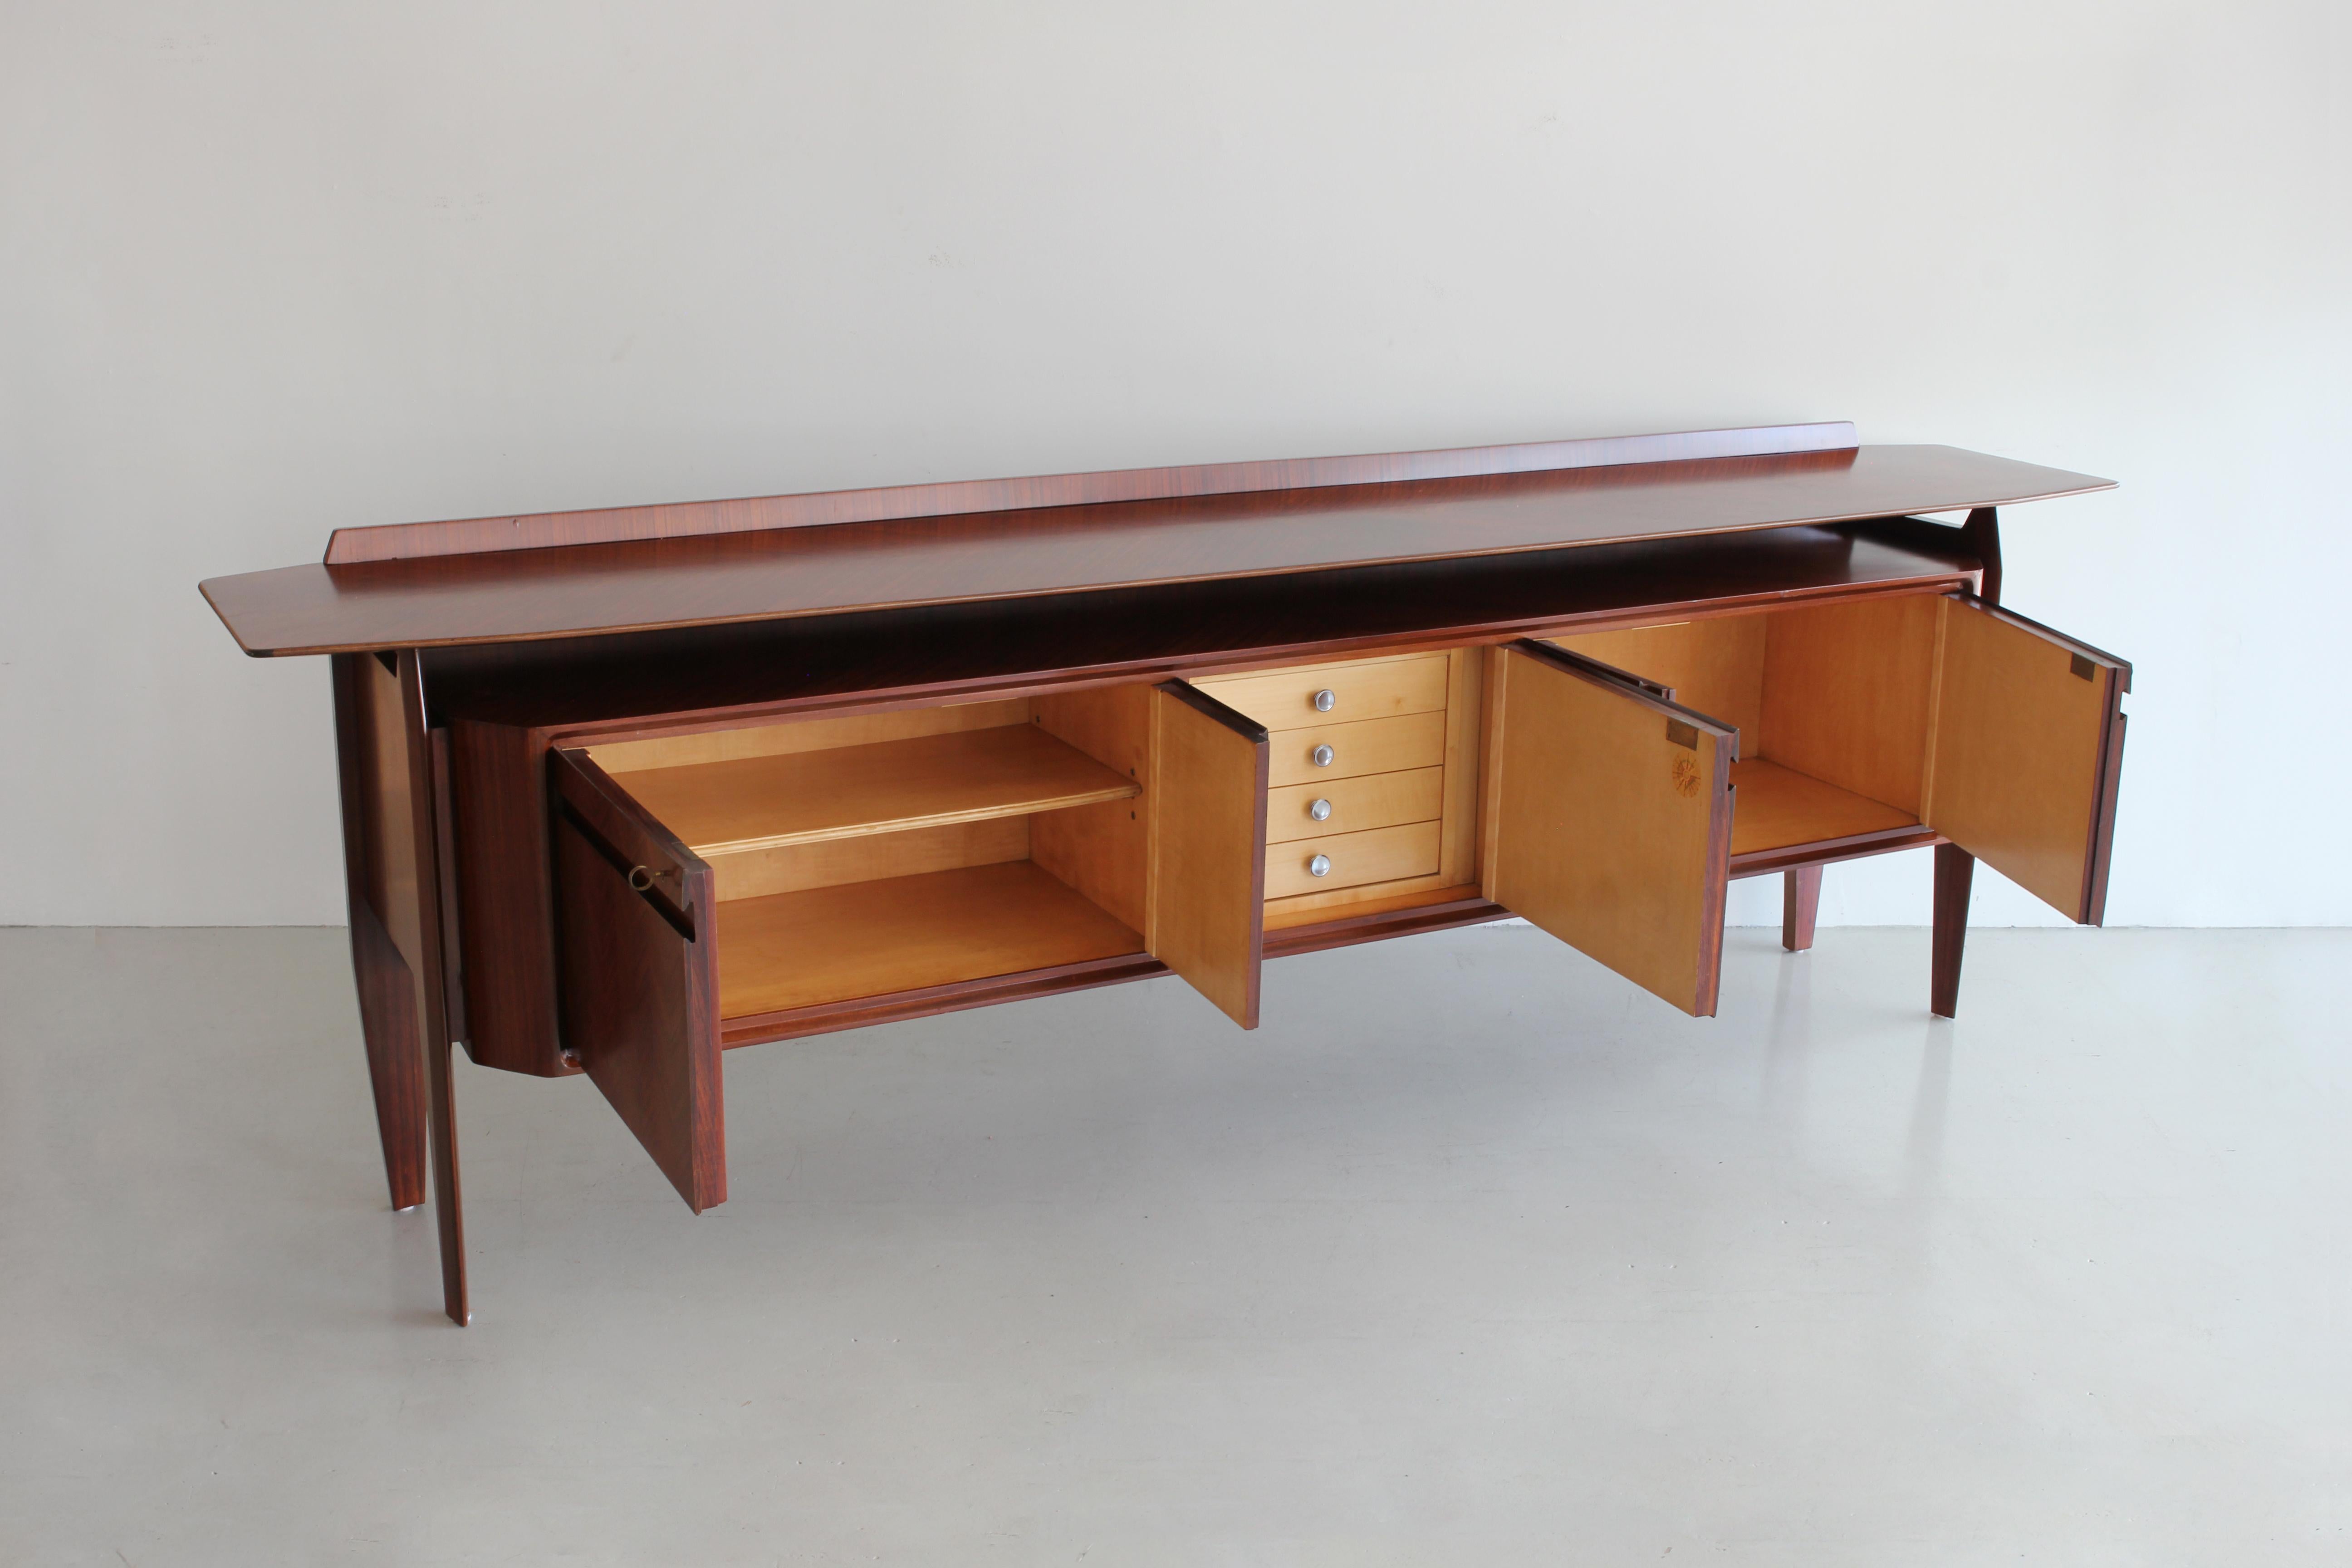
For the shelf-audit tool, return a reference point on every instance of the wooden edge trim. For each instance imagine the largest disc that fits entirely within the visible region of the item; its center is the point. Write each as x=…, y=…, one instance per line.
x=445, y=851
x=2122, y=666
x=1201, y=702
x=828, y=1017
x=606, y=525
x=1352, y=928
x=1718, y=877
x=1825, y=851
x=1633, y=688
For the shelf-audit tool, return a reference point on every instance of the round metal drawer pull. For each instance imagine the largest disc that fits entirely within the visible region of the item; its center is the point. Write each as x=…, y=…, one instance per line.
x=1319, y=866
x=1322, y=756
x=1320, y=810
x=640, y=878
x=1326, y=700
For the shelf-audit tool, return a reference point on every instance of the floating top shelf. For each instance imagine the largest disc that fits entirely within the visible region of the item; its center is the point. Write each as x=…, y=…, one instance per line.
x=516, y=579
x=808, y=797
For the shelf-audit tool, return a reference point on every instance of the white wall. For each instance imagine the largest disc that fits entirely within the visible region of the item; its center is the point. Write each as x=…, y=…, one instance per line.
x=269, y=269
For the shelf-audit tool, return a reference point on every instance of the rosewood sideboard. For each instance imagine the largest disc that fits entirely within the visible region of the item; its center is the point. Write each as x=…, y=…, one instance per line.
x=623, y=789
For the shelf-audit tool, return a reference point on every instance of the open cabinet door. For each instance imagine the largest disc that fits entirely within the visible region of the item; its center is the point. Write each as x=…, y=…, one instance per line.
x=2028, y=751
x=637, y=975
x=1204, y=904
x=1608, y=818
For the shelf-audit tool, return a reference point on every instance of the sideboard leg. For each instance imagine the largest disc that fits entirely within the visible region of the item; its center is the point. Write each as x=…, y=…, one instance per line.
x=1955, y=869
x=388, y=1027
x=1801, y=900
x=446, y=1207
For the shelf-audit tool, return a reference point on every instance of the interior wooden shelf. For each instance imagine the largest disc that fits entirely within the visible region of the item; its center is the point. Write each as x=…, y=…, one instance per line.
x=1778, y=806
x=866, y=939
x=806, y=797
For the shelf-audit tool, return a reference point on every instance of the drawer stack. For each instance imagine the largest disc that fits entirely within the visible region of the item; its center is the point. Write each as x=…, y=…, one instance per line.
x=1358, y=778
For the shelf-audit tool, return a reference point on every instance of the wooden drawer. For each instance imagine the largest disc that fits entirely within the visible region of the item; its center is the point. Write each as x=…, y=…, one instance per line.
x=1376, y=689
x=1382, y=855
x=1374, y=746
x=1357, y=804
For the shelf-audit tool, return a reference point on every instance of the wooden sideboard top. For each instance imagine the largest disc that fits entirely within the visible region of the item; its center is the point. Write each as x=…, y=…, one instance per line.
x=506, y=580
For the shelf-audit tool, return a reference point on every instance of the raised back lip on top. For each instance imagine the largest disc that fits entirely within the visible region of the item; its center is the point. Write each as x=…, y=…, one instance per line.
x=684, y=519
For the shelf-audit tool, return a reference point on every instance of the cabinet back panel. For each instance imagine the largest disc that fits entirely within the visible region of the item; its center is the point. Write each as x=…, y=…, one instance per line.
x=806, y=735
x=832, y=862
x=1714, y=666
x=1100, y=850
x=1848, y=691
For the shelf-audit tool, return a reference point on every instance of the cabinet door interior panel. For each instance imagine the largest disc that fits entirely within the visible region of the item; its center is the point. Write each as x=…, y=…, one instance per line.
x=2026, y=744
x=1206, y=889
x=1611, y=820
x=637, y=985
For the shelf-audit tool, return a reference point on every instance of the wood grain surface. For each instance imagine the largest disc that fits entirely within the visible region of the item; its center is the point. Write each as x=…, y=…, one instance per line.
x=776, y=739
x=1715, y=666
x=1370, y=746
x=1847, y=695
x=1205, y=895
x=1376, y=800
x=907, y=933
x=636, y=966
x=1778, y=806
x=1357, y=859
x=1360, y=688
x=871, y=857
x=2018, y=777
x=1609, y=820
x=704, y=678
x=524, y=594
x=470, y=536
x=805, y=797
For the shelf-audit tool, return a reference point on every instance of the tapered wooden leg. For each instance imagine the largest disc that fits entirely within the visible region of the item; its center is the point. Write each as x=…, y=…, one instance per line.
x=1955, y=869
x=392, y=867
x=395, y=1067
x=1801, y=900
x=446, y=1208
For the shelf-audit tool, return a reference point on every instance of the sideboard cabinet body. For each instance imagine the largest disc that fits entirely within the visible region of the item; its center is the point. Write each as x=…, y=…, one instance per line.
x=621, y=846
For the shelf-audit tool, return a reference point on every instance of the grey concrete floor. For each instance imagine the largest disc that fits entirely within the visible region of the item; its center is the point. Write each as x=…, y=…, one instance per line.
x=1472, y=1255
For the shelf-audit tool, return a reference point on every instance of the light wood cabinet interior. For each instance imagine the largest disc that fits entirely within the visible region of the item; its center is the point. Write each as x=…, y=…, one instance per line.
x=1834, y=704
x=888, y=851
